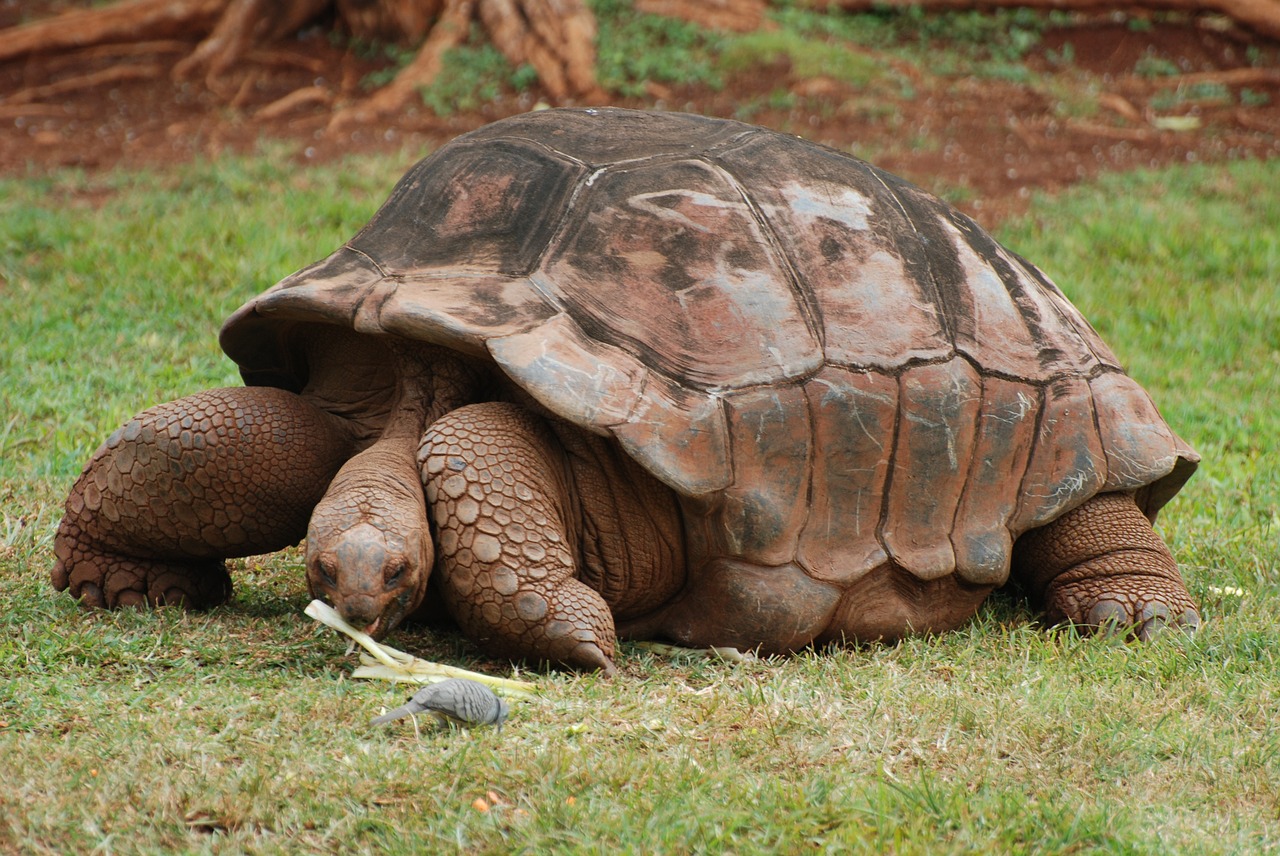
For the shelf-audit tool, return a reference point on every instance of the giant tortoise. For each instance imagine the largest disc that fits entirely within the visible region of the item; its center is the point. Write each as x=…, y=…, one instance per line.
x=603, y=373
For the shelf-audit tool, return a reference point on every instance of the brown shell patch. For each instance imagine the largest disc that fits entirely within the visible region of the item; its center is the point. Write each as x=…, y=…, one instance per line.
x=939, y=406
x=1138, y=444
x=851, y=249
x=1005, y=433
x=760, y=515
x=572, y=374
x=854, y=415
x=461, y=312
x=1067, y=463
x=680, y=437
x=471, y=208
x=668, y=262
x=604, y=136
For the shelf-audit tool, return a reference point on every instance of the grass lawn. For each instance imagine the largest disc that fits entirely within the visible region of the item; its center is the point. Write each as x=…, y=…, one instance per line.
x=239, y=730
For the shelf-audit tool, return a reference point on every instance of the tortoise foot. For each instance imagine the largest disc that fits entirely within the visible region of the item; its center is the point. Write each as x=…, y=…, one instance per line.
x=1137, y=606
x=1101, y=566
x=107, y=581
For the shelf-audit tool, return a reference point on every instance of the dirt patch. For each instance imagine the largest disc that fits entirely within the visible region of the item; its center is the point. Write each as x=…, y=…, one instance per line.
x=1095, y=95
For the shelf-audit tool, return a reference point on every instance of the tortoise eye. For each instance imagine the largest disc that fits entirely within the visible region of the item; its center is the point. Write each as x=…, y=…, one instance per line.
x=328, y=572
x=395, y=573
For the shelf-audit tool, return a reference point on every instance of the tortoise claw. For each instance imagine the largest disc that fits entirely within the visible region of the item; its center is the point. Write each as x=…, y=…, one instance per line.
x=1157, y=619
x=1152, y=621
x=1107, y=618
x=104, y=580
x=1110, y=617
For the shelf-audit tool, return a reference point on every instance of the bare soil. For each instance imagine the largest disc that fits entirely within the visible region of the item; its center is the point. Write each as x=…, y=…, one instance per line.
x=1101, y=94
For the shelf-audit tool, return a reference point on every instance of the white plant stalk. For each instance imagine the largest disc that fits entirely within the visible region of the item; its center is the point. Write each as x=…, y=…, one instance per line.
x=386, y=663
x=730, y=655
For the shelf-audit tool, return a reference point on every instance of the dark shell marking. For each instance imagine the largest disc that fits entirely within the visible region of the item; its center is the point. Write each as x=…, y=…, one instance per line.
x=830, y=366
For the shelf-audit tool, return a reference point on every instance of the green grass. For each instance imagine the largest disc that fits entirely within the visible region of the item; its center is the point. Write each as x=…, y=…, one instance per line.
x=238, y=730
x=806, y=56
x=636, y=49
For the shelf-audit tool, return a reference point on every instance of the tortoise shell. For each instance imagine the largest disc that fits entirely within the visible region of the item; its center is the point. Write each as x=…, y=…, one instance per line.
x=830, y=366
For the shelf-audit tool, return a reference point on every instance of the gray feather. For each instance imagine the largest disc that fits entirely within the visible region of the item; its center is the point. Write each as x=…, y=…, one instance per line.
x=457, y=700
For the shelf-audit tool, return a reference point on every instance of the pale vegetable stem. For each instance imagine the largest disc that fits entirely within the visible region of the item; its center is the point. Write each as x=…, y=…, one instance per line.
x=399, y=666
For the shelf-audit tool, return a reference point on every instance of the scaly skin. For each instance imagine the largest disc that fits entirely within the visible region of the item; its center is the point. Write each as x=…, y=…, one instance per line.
x=188, y=483
x=498, y=489
x=369, y=548
x=1101, y=566
x=369, y=552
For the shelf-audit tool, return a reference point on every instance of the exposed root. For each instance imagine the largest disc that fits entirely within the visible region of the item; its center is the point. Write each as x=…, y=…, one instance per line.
x=18, y=111
x=390, y=20
x=1227, y=77
x=448, y=31
x=122, y=49
x=285, y=58
x=308, y=96
x=112, y=74
x=133, y=21
x=243, y=24
x=245, y=92
x=1120, y=105
x=555, y=37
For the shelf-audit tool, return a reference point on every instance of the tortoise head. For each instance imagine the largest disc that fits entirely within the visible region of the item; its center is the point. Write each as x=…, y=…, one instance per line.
x=369, y=550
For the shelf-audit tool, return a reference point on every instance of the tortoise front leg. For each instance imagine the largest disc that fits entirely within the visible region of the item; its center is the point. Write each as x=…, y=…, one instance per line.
x=186, y=484
x=498, y=488
x=1102, y=566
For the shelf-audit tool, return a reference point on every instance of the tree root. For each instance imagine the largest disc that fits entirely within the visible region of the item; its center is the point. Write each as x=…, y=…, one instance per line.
x=449, y=30
x=132, y=21
x=307, y=96
x=555, y=37
x=106, y=76
x=243, y=24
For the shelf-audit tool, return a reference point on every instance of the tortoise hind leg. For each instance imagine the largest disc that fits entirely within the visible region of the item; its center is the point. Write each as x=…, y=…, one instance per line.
x=1102, y=566
x=186, y=484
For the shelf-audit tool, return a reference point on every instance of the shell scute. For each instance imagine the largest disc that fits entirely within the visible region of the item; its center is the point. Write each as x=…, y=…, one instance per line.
x=680, y=436
x=939, y=405
x=1037, y=339
x=489, y=208
x=669, y=263
x=854, y=415
x=762, y=512
x=461, y=312
x=1005, y=433
x=1139, y=446
x=598, y=137
x=854, y=268
x=572, y=374
x=1067, y=463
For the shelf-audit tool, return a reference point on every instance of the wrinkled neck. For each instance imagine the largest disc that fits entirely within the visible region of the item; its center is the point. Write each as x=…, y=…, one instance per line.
x=430, y=382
